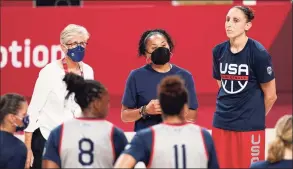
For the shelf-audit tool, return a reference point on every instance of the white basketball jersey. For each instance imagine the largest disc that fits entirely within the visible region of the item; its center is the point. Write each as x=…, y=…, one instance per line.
x=86, y=144
x=178, y=147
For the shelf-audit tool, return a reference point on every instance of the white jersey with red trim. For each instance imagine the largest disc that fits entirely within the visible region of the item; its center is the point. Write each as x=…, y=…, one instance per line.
x=178, y=146
x=87, y=144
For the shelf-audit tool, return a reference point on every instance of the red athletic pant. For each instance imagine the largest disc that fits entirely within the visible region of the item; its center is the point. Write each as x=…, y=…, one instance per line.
x=238, y=149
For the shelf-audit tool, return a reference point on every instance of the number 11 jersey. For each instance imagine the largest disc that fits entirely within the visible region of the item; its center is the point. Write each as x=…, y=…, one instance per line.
x=173, y=146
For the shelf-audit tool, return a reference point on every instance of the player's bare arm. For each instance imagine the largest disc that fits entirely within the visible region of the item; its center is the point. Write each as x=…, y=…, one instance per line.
x=28, y=142
x=125, y=161
x=219, y=83
x=270, y=95
x=49, y=164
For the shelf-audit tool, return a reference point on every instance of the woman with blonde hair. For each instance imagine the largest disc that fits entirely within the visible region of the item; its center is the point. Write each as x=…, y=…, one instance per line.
x=48, y=108
x=280, y=150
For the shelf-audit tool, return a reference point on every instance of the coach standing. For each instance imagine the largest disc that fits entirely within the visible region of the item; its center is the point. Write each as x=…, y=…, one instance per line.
x=139, y=103
x=48, y=108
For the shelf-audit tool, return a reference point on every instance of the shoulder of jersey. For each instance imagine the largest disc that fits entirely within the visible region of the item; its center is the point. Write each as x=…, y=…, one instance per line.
x=99, y=121
x=260, y=164
x=191, y=125
x=147, y=130
x=220, y=47
x=176, y=67
x=257, y=45
x=195, y=126
x=138, y=70
x=111, y=125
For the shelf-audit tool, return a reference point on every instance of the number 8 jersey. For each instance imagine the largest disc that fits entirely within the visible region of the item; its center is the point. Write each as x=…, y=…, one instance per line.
x=85, y=143
x=173, y=146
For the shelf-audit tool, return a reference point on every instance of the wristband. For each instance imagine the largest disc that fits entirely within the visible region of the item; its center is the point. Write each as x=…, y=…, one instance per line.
x=142, y=112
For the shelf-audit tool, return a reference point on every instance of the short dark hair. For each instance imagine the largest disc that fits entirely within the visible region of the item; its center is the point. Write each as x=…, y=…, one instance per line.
x=172, y=95
x=144, y=37
x=85, y=90
x=249, y=13
x=9, y=104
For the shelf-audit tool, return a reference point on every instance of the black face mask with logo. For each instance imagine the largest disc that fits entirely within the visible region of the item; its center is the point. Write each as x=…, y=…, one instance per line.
x=161, y=56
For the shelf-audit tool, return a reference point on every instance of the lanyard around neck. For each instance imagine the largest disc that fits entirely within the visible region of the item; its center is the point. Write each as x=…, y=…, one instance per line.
x=65, y=67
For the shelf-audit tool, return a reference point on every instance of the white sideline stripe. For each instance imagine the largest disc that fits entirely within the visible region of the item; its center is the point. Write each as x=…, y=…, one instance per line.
x=249, y=2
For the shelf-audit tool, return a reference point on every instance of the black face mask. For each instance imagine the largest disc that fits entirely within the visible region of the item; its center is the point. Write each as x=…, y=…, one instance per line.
x=160, y=56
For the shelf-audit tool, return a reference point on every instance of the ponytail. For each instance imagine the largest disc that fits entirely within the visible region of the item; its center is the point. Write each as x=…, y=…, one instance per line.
x=76, y=84
x=85, y=90
x=276, y=150
x=283, y=139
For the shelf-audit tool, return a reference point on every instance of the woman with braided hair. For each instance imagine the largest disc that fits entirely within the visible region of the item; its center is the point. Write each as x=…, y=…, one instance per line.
x=89, y=141
x=139, y=102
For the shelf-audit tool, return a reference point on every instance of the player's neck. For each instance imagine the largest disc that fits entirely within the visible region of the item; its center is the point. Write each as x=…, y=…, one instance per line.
x=91, y=115
x=174, y=120
x=7, y=129
x=162, y=68
x=239, y=42
x=288, y=154
x=71, y=64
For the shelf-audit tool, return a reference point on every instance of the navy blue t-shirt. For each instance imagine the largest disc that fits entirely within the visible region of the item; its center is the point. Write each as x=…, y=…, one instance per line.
x=240, y=101
x=140, y=147
x=52, y=146
x=141, y=88
x=13, y=152
x=266, y=164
